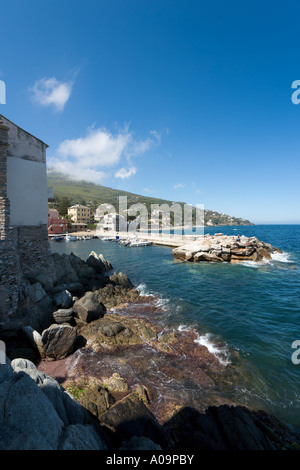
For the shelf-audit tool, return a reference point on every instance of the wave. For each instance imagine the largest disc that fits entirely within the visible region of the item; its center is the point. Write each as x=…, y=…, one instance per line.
x=284, y=257
x=142, y=289
x=206, y=340
x=221, y=354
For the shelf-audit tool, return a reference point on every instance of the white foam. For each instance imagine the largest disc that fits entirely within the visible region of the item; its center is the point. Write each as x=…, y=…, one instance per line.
x=282, y=257
x=221, y=354
x=278, y=257
x=142, y=289
x=183, y=328
x=162, y=303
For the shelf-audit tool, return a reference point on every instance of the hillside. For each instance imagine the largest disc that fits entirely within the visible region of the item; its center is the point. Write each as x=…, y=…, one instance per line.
x=92, y=195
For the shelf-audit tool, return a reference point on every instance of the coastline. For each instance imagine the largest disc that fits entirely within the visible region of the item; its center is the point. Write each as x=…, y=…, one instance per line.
x=109, y=375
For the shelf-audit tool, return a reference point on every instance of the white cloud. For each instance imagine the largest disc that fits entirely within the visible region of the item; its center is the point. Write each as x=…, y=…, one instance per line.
x=51, y=92
x=123, y=173
x=75, y=172
x=178, y=185
x=85, y=157
x=98, y=148
x=142, y=146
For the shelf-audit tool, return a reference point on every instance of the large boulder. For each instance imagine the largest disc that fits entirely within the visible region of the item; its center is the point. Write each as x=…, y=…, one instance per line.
x=81, y=437
x=65, y=272
x=28, y=419
x=88, y=308
x=63, y=315
x=122, y=280
x=62, y=299
x=96, y=399
x=36, y=413
x=96, y=262
x=67, y=408
x=59, y=341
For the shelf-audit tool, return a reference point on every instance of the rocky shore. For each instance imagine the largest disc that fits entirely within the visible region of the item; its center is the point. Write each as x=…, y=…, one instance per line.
x=224, y=248
x=113, y=396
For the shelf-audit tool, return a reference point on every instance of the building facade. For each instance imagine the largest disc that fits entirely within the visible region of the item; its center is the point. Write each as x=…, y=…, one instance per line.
x=79, y=214
x=56, y=224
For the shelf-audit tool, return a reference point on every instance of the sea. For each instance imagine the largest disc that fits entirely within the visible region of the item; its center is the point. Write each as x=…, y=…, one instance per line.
x=250, y=309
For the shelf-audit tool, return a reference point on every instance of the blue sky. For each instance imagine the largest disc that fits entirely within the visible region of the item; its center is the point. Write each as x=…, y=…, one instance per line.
x=183, y=100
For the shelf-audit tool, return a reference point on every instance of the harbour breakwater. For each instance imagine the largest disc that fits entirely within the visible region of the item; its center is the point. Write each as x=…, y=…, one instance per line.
x=224, y=248
x=111, y=358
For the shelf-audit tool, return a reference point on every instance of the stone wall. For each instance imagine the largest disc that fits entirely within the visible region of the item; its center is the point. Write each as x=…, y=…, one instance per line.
x=24, y=249
x=10, y=277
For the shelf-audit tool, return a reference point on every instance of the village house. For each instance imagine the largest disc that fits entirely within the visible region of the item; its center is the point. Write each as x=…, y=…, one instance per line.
x=79, y=214
x=56, y=224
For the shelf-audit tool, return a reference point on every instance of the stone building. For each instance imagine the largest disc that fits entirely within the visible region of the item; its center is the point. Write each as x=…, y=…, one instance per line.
x=24, y=247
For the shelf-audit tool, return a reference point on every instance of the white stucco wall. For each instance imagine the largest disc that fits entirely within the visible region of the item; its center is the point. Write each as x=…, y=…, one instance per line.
x=24, y=145
x=27, y=192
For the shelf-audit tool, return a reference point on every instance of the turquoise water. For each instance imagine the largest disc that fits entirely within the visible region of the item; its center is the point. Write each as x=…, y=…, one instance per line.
x=250, y=308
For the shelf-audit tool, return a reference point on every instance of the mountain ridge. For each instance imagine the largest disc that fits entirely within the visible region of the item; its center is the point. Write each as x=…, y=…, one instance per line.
x=92, y=194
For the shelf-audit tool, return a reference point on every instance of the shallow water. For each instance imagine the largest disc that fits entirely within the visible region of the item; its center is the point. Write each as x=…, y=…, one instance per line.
x=252, y=308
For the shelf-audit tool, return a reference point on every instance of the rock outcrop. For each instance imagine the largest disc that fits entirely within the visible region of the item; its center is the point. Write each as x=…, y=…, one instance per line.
x=224, y=248
x=37, y=414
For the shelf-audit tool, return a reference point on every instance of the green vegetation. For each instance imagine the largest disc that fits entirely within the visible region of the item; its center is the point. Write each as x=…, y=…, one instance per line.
x=76, y=390
x=92, y=195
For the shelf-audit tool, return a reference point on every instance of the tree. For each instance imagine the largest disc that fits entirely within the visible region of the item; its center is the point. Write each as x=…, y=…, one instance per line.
x=63, y=205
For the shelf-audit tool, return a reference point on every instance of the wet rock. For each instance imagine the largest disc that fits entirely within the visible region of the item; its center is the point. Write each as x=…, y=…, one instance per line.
x=113, y=295
x=116, y=384
x=58, y=341
x=110, y=332
x=264, y=253
x=113, y=329
x=88, y=308
x=121, y=279
x=96, y=398
x=142, y=393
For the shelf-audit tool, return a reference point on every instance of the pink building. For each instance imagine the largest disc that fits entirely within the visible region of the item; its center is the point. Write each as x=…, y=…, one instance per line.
x=55, y=223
